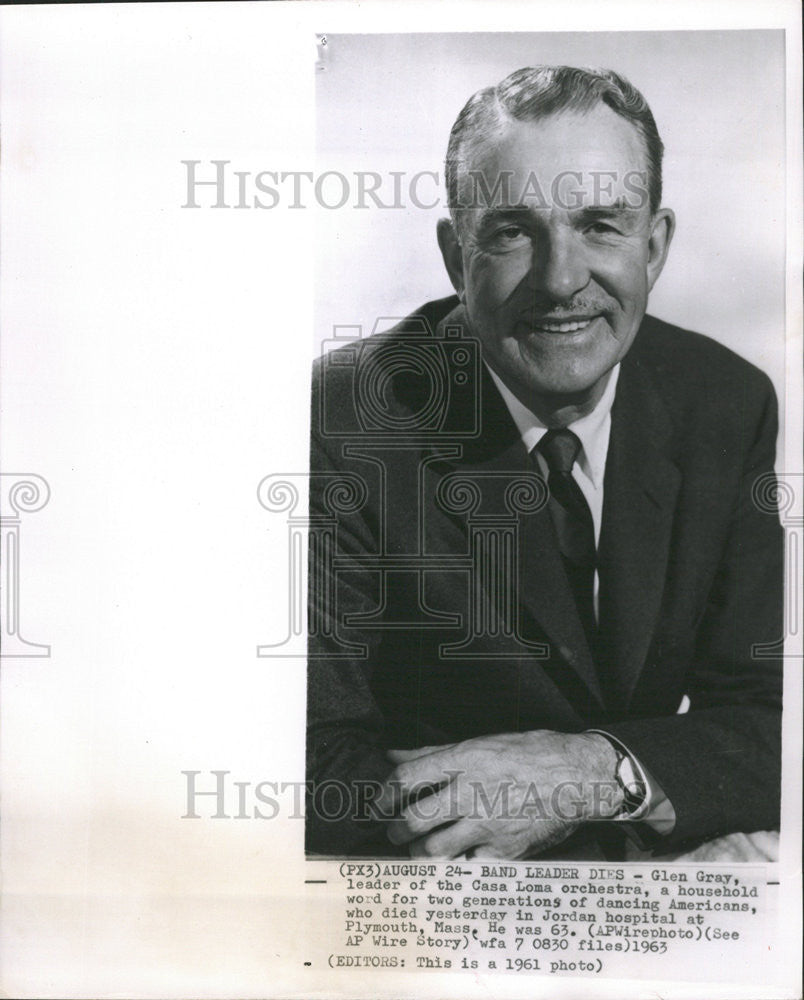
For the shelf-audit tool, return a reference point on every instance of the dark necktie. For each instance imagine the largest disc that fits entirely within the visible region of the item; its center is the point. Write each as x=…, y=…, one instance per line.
x=573, y=522
x=576, y=539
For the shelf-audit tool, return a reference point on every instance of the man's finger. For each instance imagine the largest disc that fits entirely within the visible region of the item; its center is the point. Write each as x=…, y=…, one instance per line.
x=500, y=851
x=398, y=756
x=402, y=785
x=410, y=778
x=449, y=842
x=426, y=813
x=432, y=769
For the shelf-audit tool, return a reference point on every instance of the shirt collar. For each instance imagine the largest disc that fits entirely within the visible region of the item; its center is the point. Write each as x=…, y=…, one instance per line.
x=592, y=429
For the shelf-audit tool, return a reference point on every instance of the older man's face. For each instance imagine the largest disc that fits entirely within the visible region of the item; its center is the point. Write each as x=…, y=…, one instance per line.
x=556, y=269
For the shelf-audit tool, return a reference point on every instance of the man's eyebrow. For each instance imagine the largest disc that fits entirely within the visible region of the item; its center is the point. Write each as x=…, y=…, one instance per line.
x=621, y=210
x=618, y=208
x=503, y=212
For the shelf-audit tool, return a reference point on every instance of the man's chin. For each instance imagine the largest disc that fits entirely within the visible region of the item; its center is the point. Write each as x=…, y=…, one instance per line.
x=562, y=386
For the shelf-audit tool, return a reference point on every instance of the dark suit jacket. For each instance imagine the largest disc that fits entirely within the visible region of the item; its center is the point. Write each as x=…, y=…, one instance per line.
x=439, y=609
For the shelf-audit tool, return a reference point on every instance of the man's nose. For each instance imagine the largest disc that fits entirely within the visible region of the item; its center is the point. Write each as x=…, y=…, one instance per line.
x=559, y=267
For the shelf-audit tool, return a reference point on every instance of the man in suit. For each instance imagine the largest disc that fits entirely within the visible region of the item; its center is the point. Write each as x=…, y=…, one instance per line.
x=543, y=594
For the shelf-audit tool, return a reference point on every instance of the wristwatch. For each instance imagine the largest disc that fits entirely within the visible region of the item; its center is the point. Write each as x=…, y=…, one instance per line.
x=630, y=784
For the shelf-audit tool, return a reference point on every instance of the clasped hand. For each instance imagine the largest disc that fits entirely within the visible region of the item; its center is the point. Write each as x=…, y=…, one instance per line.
x=502, y=796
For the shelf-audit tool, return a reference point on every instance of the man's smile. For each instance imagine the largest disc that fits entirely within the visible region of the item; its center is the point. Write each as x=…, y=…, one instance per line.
x=559, y=330
x=570, y=325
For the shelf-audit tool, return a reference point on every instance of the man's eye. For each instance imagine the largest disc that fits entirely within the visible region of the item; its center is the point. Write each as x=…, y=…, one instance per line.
x=601, y=228
x=508, y=236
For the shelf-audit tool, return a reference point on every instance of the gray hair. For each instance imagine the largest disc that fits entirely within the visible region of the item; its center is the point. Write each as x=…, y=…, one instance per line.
x=535, y=92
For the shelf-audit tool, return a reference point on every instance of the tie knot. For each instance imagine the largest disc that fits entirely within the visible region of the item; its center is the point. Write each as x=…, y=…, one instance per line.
x=560, y=449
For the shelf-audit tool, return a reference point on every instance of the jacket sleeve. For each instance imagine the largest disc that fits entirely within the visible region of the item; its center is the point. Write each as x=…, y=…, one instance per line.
x=346, y=730
x=719, y=763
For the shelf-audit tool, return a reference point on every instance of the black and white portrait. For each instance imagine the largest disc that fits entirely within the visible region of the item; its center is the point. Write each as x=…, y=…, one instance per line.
x=545, y=603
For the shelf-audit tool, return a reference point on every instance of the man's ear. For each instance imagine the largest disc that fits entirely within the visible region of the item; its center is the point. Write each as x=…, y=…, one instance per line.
x=451, y=252
x=662, y=227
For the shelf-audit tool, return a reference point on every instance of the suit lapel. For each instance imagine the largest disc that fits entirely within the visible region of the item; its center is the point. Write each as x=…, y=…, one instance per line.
x=640, y=489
